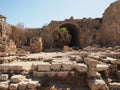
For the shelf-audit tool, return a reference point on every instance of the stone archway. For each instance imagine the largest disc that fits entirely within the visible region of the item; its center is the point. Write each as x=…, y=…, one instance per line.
x=74, y=32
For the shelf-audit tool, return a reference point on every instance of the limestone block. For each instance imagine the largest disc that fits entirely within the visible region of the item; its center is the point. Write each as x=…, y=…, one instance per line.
x=56, y=66
x=62, y=74
x=4, y=67
x=36, y=44
x=4, y=85
x=102, y=67
x=97, y=84
x=22, y=85
x=39, y=74
x=44, y=67
x=13, y=86
x=114, y=85
x=67, y=66
x=51, y=74
x=116, y=61
x=32, y=84
x=91, y=62
x=81, y=67
x=93, y=74
x=3, y=77
x=17, y=78
x=16, y=67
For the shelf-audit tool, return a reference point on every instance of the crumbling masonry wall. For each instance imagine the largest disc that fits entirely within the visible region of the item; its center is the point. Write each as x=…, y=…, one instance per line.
x=84, y=32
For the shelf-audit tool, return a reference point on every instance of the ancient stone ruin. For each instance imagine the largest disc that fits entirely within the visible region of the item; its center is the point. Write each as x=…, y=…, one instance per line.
x=91, y=60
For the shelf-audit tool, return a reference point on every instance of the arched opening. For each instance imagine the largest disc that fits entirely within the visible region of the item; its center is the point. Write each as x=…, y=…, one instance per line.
x=74, y=32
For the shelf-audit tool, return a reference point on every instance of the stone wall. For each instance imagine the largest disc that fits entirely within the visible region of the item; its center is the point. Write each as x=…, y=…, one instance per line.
x=84, y=31
x=6, y=44
x=36, y=44
x=110, y=30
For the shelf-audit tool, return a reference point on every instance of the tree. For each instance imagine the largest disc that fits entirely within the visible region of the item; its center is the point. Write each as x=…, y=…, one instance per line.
x=62, y=37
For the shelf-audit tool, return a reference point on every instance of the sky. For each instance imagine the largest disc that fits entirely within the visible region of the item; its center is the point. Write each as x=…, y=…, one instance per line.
x=36, y=13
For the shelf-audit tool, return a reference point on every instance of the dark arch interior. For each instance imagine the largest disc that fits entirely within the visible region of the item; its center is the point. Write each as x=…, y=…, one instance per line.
x=74, y=32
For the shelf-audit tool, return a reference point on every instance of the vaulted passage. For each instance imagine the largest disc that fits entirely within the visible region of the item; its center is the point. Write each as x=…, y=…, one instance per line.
x=74, y=32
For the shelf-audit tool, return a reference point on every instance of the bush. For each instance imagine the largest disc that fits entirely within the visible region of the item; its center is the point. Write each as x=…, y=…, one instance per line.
x=61, y=37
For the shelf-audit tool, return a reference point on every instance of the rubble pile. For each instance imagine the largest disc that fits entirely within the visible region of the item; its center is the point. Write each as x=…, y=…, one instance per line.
x=94, y=67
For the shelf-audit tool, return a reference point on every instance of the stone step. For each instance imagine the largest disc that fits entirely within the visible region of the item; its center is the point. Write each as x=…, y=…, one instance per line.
x=114, y=86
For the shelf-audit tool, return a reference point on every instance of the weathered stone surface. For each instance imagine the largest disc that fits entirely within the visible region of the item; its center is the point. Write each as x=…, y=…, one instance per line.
x=32, y=84
x=51, y=74
x=3, y=77
x=81, y=67
x=67, y=66
x=39, y=74
x=36, y=44
x=56, y=66
x=67, y=48
x=62, y=74
x=7, y=59
x=17, y=78
x=13, y=86
x=4, y=67
x=115, y=85
x=22, y=85
x=44, y=67
x=4, y=85
x=91, y=62
x=102, y=67
x=97, y=84
x=110, y=27
x=116, y=61
x=16, y=67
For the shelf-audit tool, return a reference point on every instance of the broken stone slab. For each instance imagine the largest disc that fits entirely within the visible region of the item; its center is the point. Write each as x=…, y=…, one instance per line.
x=16, y=67
x=44, y=66
x=114, y=86
x=3, y=77
x=38, y=74
x=93, y=74
x=116, y=61
x=4, y=67
x=62, y=73
x=4, y=85
x=97, y=84
x=56, y=66
x=67, y=66
x=13, y=86
x=102, y=67
x=81, y=67
x=17, y=78
x=33, y=84
x=22, y=85
x=108, y=60
x=7, y=59
x=91, y=62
